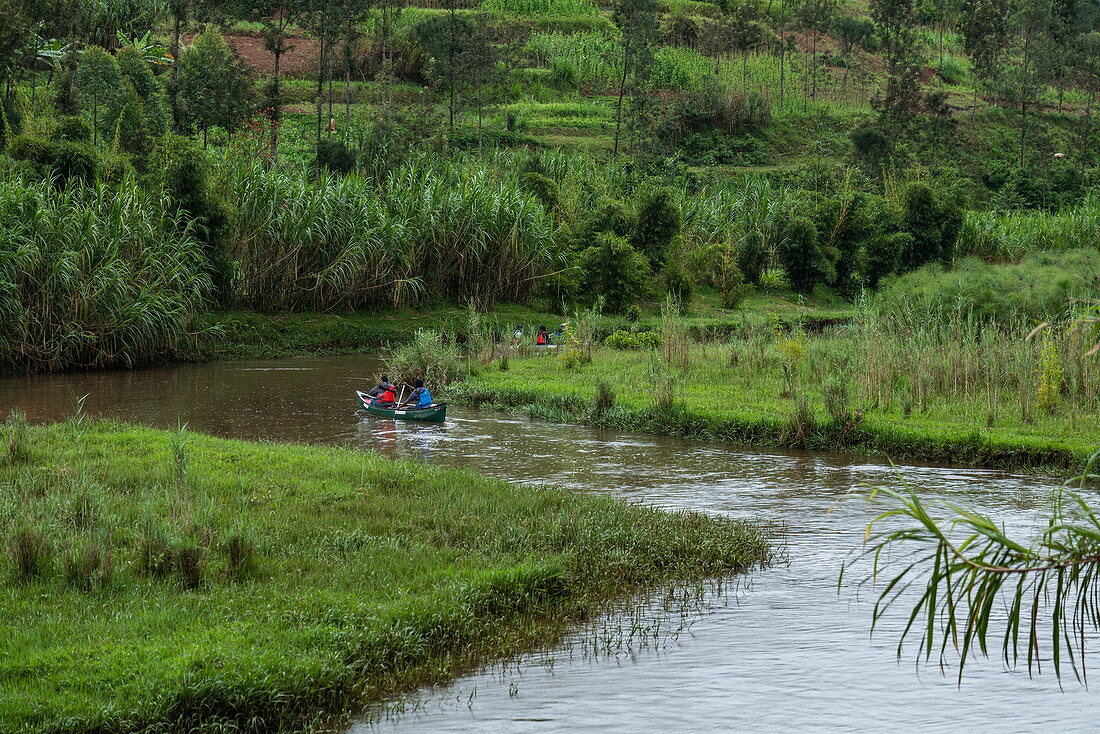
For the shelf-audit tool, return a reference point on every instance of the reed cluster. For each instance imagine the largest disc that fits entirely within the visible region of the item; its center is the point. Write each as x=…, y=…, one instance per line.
x=94, y=277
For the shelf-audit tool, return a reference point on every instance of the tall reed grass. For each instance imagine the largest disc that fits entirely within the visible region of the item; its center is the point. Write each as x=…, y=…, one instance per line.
x=94, y=277
x=439, y=228
x=1010, y=236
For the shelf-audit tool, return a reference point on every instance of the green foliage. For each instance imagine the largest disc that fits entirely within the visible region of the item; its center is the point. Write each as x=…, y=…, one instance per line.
x=544, y=189
x=59, y=160
x=1039, y=287
x=615, y=271
x=431, y=356
x=845, y=227
x=881, y=256
x=974, y=578
x=657, y=225
x=215, y=89
x=334, y=155
x=934, y=222
x=804, y=258
x=612, y=218
x=72, y=128
x=872, y=150
x=139, y=77
x=185, y=180
x=675, y=281
x=621, y=339
x=752, y=256
x=100, y=91
x=99, y=278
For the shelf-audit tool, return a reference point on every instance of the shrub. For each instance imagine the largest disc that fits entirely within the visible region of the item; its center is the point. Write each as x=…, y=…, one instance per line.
x=676, y=281
x=621, y=339
x=872, y=150
x=881, y=256
x=185, y=180
x=934, y=224
x=804, y=260
x=60, y=159
x=752, y=256
x=656, y=226
x=614, y=270
x=430, y=356
x=845, y=227
x=73, y=129
x=334, y=155
x=31, y=553
x=543, y=188
x=612, y=218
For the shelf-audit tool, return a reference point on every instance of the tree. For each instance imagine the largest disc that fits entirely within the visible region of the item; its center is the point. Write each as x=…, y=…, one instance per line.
x=985, y=36
x=656, y=226
x=872, y=150
x=98, y=85
x=276, y=18
x=616, y=271
x=214, y=87
x=16, y=32
x=803, y=258
x=933, y=222
x=977, y=579
x=851, y=32
x=814, y=16
x=1085, y=62
x=138, y=76
x=1024, y=79
x=637, y=23
x=458, y=47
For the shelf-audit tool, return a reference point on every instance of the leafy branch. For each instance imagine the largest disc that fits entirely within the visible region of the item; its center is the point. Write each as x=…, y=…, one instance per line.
x=981, y=578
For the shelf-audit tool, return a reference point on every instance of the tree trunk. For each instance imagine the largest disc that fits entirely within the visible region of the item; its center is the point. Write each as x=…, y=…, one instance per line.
x=320, y=78
x=175, y=51
x=619, y=103
x=276, y=103
x=813, y=69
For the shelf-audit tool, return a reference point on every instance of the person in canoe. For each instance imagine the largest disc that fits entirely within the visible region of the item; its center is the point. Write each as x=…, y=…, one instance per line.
x=420, y=397
x=543, y=337
x=380, y=388
x=386, y=398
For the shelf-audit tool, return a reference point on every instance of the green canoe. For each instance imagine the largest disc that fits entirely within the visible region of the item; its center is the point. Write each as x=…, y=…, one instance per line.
x=434, y=413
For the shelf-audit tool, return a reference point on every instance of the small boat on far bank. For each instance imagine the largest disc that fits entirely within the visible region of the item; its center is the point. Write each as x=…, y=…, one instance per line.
x=435, y=413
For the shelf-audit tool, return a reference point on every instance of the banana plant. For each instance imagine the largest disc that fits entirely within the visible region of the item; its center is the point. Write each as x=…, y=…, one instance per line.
x=153, y=52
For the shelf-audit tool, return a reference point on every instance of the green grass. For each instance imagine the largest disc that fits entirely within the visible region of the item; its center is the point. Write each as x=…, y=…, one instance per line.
x=363, y=576
x=961, y=394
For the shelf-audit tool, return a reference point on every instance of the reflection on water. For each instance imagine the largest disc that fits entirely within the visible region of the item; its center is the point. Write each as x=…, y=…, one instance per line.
x=786, y=653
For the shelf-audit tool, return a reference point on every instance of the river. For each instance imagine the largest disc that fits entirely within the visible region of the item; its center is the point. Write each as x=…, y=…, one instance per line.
x=784, y=651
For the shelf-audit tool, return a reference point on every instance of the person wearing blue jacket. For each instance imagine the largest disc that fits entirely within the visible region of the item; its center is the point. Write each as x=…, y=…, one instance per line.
x=420, y=397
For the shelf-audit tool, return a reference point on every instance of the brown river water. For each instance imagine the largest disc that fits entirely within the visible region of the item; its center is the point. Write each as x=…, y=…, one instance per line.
x=782, y=652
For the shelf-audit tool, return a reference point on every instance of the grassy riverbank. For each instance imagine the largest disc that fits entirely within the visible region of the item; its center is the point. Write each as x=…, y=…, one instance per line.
x=155, y=579
x=977, y=397
x=243, y=334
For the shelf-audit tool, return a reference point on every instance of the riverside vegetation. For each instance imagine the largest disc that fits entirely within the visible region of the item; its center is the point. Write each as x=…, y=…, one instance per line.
x=160, y=580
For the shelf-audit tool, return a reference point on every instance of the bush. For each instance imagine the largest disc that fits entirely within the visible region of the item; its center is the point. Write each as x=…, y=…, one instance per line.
x=872, y=150
x=627, y=340
x=612, y=218
x=1039, y=287
x=675, y=280
x=544, y=189
x=60, y=159
x=802, y=257
x=615, y=271
x=656, y=226
x=752, y=256
x=881, y=256
x=185, y=179
x=333, y=155
x=73, y=129
x=934, y=224
x=430, y=356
